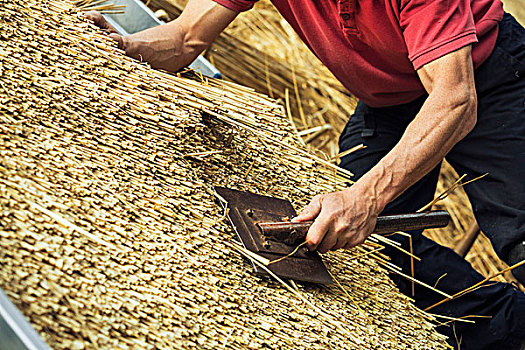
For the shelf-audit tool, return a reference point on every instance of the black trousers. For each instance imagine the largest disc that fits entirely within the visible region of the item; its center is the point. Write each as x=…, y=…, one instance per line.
x=497, y=146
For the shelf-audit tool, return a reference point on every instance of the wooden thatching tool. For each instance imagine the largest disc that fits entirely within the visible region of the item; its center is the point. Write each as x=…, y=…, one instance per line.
x=468, y=239
x=263, y=225
x=294, y=233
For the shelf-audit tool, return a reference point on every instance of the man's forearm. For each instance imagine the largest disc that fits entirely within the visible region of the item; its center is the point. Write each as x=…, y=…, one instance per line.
x=344, y=219
x=445, y=118
x=163, y=47
x=174, y=45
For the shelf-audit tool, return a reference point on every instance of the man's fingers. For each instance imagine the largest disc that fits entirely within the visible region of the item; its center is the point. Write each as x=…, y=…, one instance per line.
x=341, y=243
x=311, y=211
x=330, y=240
x=99, y=21
x=316, y=232
x=119, y=39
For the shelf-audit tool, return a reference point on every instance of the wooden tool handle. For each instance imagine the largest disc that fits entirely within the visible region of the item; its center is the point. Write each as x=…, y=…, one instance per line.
x=295, y=232
x=412, y=221
x=468, y=239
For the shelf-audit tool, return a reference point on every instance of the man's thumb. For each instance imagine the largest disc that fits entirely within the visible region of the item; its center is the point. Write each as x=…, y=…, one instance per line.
x=118, y=39
x=311, y=211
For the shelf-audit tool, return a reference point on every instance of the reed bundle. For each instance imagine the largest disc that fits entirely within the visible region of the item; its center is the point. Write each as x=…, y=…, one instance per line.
x=109, y=234
x=99, y=5
x=260, y=50
x=515, y=7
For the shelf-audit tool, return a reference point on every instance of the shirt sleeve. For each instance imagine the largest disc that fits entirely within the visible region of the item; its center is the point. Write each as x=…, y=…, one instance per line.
x=432, y=29
x=237, y=5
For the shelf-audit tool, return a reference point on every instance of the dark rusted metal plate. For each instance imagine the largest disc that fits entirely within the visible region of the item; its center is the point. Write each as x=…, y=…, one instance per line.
x=290, y=233
x=246, y=210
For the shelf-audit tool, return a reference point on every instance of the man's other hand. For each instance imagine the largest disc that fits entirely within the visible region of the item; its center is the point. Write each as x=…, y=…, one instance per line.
x=98, y=19
x=342, y=219
x=174, y=45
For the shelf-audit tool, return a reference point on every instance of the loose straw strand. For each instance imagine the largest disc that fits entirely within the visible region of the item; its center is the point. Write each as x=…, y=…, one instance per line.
x=288, y=255
x=469, y=289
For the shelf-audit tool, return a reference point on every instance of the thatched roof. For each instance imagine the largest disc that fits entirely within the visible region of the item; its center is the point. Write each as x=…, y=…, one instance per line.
x=261, y=50
x=109, y=233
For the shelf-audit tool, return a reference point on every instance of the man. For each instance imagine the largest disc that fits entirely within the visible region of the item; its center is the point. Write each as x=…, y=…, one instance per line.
x=435, y=78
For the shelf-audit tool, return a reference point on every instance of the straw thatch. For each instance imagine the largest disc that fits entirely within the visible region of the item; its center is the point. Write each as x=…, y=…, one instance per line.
x=516, y=8
x=109, y=234
x=260, y=50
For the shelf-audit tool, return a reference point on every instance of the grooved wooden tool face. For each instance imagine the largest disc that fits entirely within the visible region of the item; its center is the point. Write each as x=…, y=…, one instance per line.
x=246, y=210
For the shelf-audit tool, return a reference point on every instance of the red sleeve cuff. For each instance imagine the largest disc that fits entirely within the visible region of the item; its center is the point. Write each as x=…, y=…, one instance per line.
x=419, y=59
x=236, y=5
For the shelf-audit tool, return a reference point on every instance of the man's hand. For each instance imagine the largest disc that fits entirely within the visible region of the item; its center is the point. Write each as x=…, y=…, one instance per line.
x=99, y=20
x=343, y=219
x=174, y=45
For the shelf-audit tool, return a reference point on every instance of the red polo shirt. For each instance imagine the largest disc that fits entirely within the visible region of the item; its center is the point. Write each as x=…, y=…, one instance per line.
x=374, y=47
